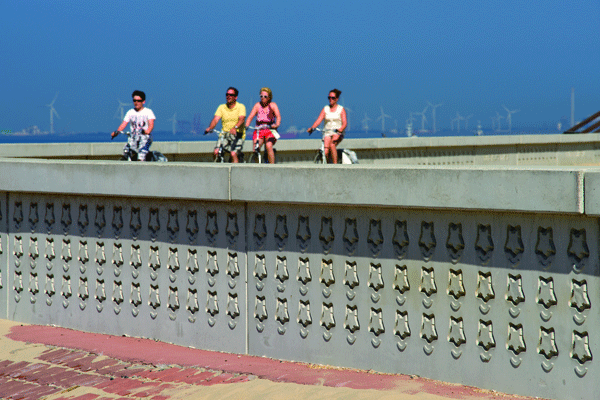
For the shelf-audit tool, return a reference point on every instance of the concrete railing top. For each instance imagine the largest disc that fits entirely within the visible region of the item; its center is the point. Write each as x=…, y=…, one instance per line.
x=524, y=189
x=57, y=150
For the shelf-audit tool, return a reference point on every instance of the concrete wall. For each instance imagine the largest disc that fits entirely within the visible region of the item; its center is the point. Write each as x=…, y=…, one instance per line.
x=486, y=276
x=576, y=149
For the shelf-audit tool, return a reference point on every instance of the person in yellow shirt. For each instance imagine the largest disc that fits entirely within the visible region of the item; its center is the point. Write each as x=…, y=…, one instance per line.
x=232, y=116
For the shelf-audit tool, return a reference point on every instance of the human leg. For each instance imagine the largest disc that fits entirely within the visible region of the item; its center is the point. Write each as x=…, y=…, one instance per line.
x=270, y=152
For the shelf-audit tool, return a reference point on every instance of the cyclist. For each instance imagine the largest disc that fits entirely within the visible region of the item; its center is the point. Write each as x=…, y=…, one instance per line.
x=142, y=123
x=335, y=124
x=232, y=116
x=268, y=119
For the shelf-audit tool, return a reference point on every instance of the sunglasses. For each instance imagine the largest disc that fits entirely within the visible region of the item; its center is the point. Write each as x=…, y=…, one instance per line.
x=138, y=101
x=264, y=97
x=230, y=94
x=332, y=97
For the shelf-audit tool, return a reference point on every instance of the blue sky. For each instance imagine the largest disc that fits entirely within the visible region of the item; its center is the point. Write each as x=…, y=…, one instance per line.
x=472, y=56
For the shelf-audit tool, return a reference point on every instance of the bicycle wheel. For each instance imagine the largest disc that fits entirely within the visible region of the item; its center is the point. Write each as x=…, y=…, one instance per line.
x=319, y=157
x=256, y=158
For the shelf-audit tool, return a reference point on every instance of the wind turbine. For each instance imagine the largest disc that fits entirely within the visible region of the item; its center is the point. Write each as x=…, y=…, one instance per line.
x=423, y=118
x=409, y=125
x=493, y=123
x=174, y=119
x=467, y=121
x=498, y=118
x=433, y=107
x=52, y=113
x=457, y=119
x=382, y=117
x=509, y=117
x=365, y=123
x=120, y=110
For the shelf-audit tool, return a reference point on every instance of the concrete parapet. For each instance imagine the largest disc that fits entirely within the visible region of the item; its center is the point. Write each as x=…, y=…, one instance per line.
x=485, y=276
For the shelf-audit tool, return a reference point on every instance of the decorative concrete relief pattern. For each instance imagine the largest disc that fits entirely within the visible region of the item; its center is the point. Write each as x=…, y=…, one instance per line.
x=100, y=294
x=49, y=252
x=427, y=241
x=375, y=237
x=135, y=222
x=33, y=251
x=281, y=273
x=545, y=249
x=83, y=220
x=135, y=260
x=456, y=288
x=231, y=228
x=18, y=215
x=212, y=267
x=351, y=279
x=484, y=244
x=212, y=228
x=135, y=297
x=173, y=225
x=455, y=243
x=117, y=296
x=154, y=223
x=578, y=250
x=485, y=339
x=456, y=336
x=260, y=271
x=326, y=235
x=428, y=286
x=65, y=218
x=580, y=351
x=327, y=320
x=485, y=290
x=83, y=255
x=33, y=216
x=515, y=294
x=117, y=221
x=351, y=323
x=281, y=232
x=327, y=277
x=260, y=312
x=281, y=314
x=304, y=317
x=117, y=258
x=303, y=233
x=375, y=281
x=100, y=257
x=65, y=253
x=191, y=304
x=304, y=276
x=401, y=283
x=154, y=300
x=173, y=301
x=350, y=237
x=401, y=329
x=191, y=226
x=260, y=230
x=65, y=290
x=233, y=309
x=546, y=296
x=515, y=343
x=192, y=267
x=428, y=332
x=99, y=220
x=579, y=300
x=49, y=217
x=376, y=326
x=514, y=247
x=400, y=240
x=547, y=348
x=154, y=262
x=83, y=292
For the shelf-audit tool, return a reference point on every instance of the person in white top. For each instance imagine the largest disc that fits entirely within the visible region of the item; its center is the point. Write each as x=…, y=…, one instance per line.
x=142, y=123
x=335, y=124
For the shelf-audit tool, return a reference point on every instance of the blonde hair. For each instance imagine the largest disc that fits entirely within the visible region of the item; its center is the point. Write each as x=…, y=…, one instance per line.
x=269, y=92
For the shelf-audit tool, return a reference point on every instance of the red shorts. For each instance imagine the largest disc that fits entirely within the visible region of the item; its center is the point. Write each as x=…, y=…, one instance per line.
x=264, y=134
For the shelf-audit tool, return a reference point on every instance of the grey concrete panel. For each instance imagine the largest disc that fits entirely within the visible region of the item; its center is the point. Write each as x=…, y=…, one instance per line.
x=461, y=188
x=199, y=181
x=592, y=192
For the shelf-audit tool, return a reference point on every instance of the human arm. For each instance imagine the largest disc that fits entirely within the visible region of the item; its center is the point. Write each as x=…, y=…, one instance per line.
x=342, y=128
x=240, y=122
x=213, y=123
x=150, y=127
x=119, y=129
x=317, y=122
x=277, y=116
x=252, y=114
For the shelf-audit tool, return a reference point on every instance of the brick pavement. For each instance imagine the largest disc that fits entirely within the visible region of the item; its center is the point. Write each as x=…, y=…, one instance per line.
x=55, y=363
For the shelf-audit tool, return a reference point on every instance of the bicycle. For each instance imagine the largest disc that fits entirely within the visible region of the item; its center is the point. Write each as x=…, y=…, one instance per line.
x=222, y=152
x=132, y=155
x=257, y=157
x=345, y=156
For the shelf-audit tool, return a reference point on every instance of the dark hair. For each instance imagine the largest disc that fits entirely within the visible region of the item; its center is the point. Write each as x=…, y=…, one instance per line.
x=338, y=93
x=234, y=89
x=139, y=93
